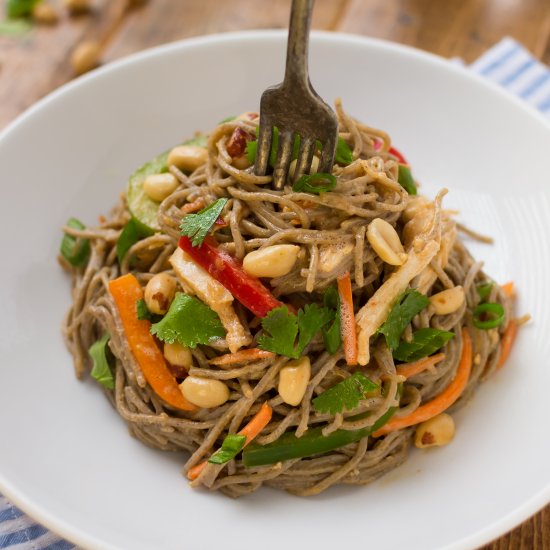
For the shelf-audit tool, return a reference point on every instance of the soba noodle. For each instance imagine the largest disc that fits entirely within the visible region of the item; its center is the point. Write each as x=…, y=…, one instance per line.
x=330, y=231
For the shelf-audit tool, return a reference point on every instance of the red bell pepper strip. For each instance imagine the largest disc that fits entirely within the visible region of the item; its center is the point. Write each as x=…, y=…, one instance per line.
x=229, y=272
x=399, y=156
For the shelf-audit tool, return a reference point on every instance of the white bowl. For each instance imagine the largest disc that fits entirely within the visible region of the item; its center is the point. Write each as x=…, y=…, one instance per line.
x=67, y=458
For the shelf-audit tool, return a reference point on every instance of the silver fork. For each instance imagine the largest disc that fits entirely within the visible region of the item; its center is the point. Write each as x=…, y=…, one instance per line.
x=296, y=109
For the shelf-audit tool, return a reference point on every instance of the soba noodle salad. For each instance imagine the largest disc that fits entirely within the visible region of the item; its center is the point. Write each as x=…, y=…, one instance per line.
x=296, y=339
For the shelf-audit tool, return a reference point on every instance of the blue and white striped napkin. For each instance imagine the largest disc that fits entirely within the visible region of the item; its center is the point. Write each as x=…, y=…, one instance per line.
x=512, y=66
x=508, y=64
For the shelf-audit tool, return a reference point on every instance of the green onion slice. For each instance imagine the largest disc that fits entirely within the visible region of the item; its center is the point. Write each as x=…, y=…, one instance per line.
x=75, y=251
x=315, y=183
x=488, y=315
x=484, y=290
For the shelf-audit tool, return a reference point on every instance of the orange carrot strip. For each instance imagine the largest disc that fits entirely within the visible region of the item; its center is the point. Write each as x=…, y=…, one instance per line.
x=508, y=339
x=347, y=319
x=195, y=471
x=242, y=356
x=259, y=421
x=410, y=369
x=509, y=289
x=126, y=291
x=194, y=206
x=444, y=400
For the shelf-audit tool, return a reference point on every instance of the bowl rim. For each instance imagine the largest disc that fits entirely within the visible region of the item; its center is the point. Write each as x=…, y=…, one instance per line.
x=74, y=534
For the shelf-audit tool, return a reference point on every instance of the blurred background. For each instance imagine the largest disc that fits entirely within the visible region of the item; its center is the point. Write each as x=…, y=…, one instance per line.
x=46, y=43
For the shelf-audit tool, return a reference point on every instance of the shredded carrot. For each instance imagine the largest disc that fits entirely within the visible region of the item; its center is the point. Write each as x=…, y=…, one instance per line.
x=126, y=291
x=242, y=356
x=444, y=400
x=410, y=369
x=195, y=471
x=507, y=340
x=509, y=289
x=347, y=319
x=194, y=206
x=259, y=421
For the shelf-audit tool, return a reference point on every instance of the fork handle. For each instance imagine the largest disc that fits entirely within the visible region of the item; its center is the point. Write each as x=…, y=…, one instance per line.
x=296, y=73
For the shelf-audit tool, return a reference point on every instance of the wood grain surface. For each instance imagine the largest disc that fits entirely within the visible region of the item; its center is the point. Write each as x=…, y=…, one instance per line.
x=36, y=63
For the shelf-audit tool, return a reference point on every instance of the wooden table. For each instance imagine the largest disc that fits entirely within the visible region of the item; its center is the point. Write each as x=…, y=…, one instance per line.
x=33, y=65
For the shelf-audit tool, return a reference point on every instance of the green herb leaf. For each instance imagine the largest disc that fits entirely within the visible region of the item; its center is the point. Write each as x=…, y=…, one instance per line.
x=344, y=396
x=231, y=446
x=20, y=8
x=280, y=331
x=407, y=306
x=144, y=314
x=311, y=320
x=484, y=290
x=75, y=251
x=331, y=334
x=14, y=27
x=133, y=232
x=196, y=226
x=406, y=180
x=188, y=322
x=227, y=119
x=331, y=299
x=282, y=327
x=488, y=315
x=344, y=154
x=425, y=341
x=101, y=370
x=315, y=183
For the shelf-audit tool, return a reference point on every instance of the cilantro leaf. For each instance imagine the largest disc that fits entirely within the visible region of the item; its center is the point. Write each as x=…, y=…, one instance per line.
x=344, y=395
x=311, y=320
x=344, y=154
x=101, y=370
x=75, y=251
x=404, y=177
x=196, y=226
x=189, y=322
x=406, y=307
x=425, y=341
x=281, y=328
x=332, y=336
x=133, y=232
x=280, y=331
x=231, y=446
x=142, y=311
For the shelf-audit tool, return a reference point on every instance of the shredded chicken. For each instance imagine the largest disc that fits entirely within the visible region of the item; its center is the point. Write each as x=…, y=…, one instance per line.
x=196, y=281
x=376, y=310
x=422, y=249
x=331, y=256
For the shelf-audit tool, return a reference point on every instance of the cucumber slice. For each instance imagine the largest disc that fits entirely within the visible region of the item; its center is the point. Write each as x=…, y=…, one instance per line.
x=142, y=208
